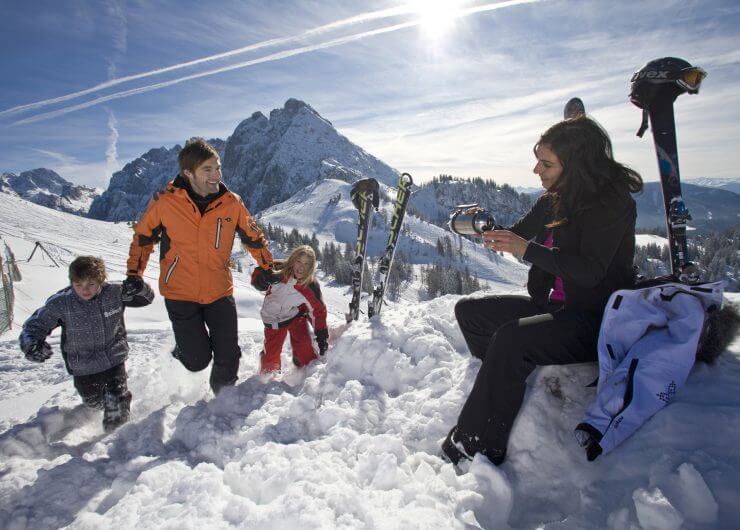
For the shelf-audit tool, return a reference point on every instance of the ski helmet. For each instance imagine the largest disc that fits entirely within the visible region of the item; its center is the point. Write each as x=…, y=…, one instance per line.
x=669, y=76
x=664, y=79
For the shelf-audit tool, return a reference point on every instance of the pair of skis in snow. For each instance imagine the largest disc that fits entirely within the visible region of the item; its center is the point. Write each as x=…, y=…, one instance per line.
x=365, y=196
x=654, y=88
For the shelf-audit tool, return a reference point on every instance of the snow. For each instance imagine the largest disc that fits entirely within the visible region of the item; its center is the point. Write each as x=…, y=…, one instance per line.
x=349, y=442
x=643, y=240
x=654, y=511
x=309, y=212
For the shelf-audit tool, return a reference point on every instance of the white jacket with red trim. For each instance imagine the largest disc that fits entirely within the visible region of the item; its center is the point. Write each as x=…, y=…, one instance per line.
x=286, y=299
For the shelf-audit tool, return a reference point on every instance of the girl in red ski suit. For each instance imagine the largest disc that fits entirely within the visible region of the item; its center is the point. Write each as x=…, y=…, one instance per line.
x=288, y=307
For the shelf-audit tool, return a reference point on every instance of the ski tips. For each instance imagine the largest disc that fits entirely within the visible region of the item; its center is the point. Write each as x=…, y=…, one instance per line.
x=574, y=109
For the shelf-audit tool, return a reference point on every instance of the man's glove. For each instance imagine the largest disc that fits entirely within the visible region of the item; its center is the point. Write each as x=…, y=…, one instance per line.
x=322, y=339
x=131, y=286
x=38, y=352
x=263, y=278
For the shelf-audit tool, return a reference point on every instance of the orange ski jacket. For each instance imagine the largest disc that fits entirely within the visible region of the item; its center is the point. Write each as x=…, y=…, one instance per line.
x=194, y=248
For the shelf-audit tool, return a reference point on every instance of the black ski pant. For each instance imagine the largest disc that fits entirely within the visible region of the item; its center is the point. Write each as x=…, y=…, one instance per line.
x=513, y=335
x=205, y=332
x=107, y=390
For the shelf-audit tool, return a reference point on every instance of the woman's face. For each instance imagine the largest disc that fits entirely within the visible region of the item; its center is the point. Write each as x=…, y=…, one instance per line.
x=301, y=267
x=548, y=166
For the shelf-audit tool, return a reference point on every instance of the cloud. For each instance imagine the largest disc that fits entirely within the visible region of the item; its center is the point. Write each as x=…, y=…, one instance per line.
x=119, y=34
x=73, y=169
x=271, y=57
x=59, y=158
x=111, y=153
x=120, y=40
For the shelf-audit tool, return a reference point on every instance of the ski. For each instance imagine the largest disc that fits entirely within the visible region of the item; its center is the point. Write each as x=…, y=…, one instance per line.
x=654, y=89
x=573, y=109
x=365, y=196
x=405, y=182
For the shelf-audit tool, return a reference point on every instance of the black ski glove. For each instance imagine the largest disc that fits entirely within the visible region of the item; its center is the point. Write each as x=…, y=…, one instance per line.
x=132, y=286
x=38, y=352
x=322, y=339
x=369, y=185
x=263, y=278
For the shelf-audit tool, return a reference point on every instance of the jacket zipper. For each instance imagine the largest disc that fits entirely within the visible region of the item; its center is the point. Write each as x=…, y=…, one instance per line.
x=105, y=327
x=218, y=232
x=171, y=270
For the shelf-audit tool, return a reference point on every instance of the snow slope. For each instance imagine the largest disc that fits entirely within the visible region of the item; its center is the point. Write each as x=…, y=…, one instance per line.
x=350, y=442
x=643, y=240
x=313, y=210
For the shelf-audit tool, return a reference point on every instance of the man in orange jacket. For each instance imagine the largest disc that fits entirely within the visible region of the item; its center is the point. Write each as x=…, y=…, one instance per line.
x=195, y=220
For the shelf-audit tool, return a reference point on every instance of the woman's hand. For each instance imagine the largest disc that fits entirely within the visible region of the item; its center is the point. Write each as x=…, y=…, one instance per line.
x=506, y=241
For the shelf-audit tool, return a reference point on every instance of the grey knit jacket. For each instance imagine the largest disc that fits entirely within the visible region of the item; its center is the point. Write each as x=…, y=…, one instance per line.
x=93, y=331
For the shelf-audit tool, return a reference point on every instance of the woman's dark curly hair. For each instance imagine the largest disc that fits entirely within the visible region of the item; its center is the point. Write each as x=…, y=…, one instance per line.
x=590, y=174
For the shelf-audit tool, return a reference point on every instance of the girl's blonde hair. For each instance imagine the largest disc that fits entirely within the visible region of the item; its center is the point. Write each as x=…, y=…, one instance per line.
x=287, y=267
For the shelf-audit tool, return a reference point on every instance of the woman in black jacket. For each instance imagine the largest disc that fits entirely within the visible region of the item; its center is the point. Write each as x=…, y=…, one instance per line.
x=580, y=239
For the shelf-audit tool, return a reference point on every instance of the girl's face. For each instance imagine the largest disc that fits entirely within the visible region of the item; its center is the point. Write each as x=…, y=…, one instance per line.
x=301, y=267
x=548, y=166
x=86, y=289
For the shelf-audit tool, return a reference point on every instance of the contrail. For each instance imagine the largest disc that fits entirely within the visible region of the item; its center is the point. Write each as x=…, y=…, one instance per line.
x=272, y=57
x=111, y=152
x=357, y=19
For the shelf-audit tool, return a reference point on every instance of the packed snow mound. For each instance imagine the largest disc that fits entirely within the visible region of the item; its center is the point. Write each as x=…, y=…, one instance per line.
x=351, y=441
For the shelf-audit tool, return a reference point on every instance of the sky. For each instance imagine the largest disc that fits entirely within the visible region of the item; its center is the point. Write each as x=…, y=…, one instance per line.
x=429, y=87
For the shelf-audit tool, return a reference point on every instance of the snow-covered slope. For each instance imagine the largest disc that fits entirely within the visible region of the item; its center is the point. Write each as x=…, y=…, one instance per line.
x=436, y=200
x=729, y=183
x=350, y=442
x=642, y=240
x=45, y=187
x=325, y=208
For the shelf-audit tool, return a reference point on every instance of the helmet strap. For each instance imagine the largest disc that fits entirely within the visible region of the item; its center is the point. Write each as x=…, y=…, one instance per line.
x=644, y=124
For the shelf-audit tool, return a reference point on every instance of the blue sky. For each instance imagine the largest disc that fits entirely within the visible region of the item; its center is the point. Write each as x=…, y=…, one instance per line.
x=462, y=88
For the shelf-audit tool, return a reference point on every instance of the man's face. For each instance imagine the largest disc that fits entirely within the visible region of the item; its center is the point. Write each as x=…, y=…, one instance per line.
x=206, y=178
x=86, y=289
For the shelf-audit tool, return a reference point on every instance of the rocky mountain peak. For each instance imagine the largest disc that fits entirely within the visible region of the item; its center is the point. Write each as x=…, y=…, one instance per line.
x=47, y=188
x=266, y=160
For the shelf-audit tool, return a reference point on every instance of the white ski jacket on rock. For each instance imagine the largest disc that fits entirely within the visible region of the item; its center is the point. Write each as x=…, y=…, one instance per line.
x=647, y=346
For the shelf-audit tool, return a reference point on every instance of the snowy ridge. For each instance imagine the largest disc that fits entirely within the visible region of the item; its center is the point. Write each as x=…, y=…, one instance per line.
x=728, y=183
x=326, y=209
x=436, y=200
x=349, y=442
x=46, y=188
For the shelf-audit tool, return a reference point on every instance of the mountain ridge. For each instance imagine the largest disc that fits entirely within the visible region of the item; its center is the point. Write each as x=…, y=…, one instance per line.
x=47, y=188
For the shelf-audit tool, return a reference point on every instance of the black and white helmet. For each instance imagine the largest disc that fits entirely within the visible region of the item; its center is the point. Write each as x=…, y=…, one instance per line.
x=663, y=79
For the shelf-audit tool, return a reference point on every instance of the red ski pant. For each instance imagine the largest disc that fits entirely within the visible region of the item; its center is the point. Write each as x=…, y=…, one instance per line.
x=300, y=340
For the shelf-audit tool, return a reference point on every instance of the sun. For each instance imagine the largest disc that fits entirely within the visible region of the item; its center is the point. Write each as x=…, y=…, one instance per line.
x=436, y=17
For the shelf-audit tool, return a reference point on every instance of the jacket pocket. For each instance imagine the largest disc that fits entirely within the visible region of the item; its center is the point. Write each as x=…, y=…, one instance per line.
x=171, y=270
x=218, y=233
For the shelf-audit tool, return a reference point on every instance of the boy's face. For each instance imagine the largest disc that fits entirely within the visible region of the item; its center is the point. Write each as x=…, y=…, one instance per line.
x=86, y=289
x=206, y=178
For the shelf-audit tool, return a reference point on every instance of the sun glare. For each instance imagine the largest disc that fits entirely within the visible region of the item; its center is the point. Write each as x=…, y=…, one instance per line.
x=436, y=16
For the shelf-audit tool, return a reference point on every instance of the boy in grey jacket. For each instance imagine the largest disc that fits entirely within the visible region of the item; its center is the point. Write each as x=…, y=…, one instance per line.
x=93, y=342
